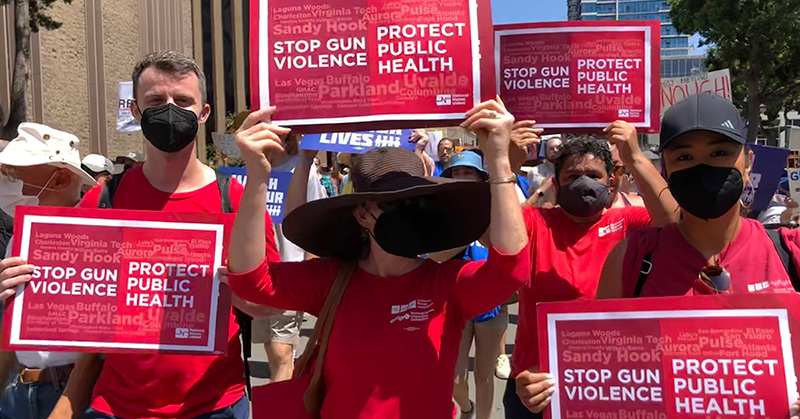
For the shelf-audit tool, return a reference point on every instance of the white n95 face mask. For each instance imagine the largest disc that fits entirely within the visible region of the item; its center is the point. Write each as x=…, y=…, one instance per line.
x=11, y=196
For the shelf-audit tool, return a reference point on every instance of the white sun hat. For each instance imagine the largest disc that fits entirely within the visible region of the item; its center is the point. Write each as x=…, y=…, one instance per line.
x=39, y=144
x=99, y=163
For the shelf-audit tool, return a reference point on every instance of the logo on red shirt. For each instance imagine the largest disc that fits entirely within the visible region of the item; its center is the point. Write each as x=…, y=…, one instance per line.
x=612, y=228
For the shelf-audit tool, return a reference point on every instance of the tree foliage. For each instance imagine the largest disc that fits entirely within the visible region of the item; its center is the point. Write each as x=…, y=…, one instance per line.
x=38, y=13
x=758, y=41
x=29, y=16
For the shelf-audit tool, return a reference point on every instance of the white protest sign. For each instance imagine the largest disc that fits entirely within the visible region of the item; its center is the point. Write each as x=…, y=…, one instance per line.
x=226, y=144
x=125, y=120
x=673, y=90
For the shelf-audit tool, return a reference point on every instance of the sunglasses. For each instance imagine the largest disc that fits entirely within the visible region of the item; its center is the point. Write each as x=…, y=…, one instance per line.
x=712, y=280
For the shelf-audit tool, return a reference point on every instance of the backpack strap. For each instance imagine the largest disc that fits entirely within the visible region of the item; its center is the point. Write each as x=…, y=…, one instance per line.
x=245, y=321
x=785, y=255
x=644, y=272
x=224, y=185
x=246, y=327
x=109, y=190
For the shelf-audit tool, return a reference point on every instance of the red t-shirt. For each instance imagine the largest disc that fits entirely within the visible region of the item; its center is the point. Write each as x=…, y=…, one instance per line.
x=567, y=261
x=750, y=259
x=171, y=386
x=394, y=343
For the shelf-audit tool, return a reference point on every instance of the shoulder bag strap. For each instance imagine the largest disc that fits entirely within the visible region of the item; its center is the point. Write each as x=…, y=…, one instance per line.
x=785, y=255
x=644, y=272
x=317, y=346
x=108, y=191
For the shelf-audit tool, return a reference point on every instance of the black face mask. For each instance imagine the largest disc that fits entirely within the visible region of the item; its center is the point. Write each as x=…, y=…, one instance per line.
x=705, y=191
x=584, y=197
x=169, y=128
x=404, y=230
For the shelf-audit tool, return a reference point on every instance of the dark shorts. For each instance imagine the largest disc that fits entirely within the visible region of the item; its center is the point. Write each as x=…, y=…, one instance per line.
x=239, y=410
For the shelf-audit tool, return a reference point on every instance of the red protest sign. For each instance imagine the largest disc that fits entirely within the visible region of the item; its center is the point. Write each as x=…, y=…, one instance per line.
x=675, y=357
x=119, y=281
x=363, y=63
x=579, y=76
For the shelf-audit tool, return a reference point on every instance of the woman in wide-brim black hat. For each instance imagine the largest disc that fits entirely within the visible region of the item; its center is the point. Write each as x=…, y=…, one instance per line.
x=394, y=343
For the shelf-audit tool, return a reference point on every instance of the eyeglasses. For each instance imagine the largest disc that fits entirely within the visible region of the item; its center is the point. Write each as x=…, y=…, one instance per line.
x=713, y=280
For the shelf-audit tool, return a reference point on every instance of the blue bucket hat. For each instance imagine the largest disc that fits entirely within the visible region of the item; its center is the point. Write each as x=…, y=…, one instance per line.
x=466, y=159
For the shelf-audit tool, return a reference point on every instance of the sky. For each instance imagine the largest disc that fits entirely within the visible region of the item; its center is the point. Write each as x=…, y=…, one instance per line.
x=517, y=11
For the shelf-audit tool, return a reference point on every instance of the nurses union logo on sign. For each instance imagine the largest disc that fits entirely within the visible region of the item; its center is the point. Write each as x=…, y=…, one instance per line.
x=363, y=63
x=572, y=76
x=121, y=281
x=675, y=357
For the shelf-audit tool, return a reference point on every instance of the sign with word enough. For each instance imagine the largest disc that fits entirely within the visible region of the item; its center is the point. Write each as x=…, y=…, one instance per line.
x=675, y=357
x=578, y=76
x=364, y=63
x=119, y=281
x=675, y=89
x=277, y=189
x=358, y=142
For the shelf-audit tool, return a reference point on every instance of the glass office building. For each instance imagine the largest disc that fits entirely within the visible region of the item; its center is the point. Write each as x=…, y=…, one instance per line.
x=675, y=49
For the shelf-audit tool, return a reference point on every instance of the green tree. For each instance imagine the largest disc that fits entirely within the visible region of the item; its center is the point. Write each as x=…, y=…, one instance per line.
x=29, y=16
x=758, y=41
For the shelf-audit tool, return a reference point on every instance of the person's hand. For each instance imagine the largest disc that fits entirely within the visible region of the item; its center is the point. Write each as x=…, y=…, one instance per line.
x=525, y=134
x=260, y=141
x=794, y=411
x=623, y=135
x=420, y=138
x=492, y=123
x=535, y=389
x=13, y=272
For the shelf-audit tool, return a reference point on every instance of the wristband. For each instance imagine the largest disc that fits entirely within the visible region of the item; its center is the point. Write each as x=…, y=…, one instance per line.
x=510, y=179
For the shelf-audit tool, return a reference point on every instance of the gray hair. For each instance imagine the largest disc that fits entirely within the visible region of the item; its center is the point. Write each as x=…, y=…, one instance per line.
x=170, y=62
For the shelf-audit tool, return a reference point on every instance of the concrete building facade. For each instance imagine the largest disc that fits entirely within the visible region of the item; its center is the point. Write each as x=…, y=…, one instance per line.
x=75, y=70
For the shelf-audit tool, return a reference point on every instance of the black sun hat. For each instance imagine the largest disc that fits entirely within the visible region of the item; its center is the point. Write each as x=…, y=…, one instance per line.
x=456, y=212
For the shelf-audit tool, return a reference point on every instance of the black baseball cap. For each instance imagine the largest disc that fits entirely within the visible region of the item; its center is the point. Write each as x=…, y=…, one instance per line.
x=702, y=112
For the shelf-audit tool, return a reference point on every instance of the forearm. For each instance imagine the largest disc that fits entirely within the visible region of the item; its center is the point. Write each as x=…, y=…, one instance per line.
x=654, y=190
x=427, y=161
x=298, y=188
x=248, y=239
x=75, y=399
x=507, y=231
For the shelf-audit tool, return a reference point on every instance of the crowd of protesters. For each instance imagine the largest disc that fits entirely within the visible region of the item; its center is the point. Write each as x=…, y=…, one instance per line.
x=418, y=255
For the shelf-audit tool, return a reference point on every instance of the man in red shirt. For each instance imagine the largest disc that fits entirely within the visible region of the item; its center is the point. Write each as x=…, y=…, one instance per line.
x=169, y=101
x=569, y=244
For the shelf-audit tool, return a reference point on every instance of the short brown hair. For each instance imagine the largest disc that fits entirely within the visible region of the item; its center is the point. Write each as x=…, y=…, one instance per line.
x=170, y=62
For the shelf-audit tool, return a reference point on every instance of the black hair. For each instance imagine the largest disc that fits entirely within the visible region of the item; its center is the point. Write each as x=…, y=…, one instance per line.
x=585, y=146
